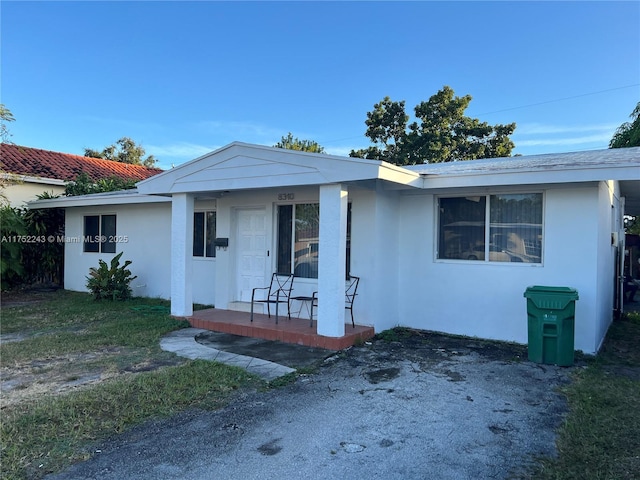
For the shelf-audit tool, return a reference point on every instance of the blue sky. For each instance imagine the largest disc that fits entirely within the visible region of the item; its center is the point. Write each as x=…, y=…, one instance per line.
x=184, y=78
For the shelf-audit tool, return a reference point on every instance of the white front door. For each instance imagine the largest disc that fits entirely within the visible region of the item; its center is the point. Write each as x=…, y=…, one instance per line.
x=252, y=252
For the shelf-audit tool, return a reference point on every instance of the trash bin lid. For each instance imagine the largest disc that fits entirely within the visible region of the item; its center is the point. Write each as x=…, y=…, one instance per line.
x=569, y=293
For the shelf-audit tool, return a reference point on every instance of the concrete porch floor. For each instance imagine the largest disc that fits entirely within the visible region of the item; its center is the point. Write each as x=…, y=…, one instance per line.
x=296, y=331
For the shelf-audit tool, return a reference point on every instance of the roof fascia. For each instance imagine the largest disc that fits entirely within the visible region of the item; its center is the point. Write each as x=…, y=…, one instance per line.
x=399, y=177
x=97, y=199
x=531, y=177
x=29, y=179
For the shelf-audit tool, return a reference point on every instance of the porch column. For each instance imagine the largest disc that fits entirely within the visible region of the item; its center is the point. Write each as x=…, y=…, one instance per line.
x=332, y=259
x=181, y=253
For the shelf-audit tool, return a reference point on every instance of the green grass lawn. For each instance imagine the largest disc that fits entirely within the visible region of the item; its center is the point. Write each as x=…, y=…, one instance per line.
x=67, y=337
x=601, y=436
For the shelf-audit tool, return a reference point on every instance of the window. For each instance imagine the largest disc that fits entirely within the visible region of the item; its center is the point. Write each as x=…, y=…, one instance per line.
x=100, y=233
x=496, y=228
x=298, y=239
x=298, y=236
x=204, y=233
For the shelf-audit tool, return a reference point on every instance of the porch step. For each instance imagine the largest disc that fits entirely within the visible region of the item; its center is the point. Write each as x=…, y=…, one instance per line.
x=296, y=330
x=245, y=307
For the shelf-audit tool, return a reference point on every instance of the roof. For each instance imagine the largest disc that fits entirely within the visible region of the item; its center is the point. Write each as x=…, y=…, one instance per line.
x=119, y=197
x=244, y=166
x=34, y=162
x=593, y=159
x=621, y=164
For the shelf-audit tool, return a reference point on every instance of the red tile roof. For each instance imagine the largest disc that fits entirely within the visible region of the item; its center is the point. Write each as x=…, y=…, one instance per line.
x=34, y=162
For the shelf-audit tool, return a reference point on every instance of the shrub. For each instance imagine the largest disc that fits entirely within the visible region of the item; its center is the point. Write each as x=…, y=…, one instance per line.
x=44, y=261
x=110, y=282
x=12, y=229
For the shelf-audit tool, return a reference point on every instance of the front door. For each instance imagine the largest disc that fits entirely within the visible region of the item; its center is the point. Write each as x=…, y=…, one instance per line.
x=252, y=252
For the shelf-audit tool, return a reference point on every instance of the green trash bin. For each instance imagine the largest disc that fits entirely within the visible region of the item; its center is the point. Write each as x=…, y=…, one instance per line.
x=551, y=324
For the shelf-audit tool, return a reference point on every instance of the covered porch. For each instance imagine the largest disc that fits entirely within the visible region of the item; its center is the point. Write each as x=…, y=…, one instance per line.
x=296, y=330
x=256, y=193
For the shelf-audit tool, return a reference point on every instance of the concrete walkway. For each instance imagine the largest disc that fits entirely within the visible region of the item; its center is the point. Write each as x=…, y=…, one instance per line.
x=183, y=343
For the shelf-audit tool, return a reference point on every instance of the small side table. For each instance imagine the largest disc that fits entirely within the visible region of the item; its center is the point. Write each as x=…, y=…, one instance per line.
x=303, y=301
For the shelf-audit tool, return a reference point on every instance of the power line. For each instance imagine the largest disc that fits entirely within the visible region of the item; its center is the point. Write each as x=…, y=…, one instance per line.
x=521, y=106
x=560, y=99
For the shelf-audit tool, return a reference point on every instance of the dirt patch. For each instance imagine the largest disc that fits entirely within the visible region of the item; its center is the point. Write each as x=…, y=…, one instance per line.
x=63, y=374
x=427, y=348
x=52, y=376
x=18, y=298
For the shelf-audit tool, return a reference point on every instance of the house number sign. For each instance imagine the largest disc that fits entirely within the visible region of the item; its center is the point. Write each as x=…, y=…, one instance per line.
x=285, y=196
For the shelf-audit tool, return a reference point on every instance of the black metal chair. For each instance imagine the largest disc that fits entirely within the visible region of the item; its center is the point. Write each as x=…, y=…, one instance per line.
x=350, y=292
x=278, y=291
x=350, y=295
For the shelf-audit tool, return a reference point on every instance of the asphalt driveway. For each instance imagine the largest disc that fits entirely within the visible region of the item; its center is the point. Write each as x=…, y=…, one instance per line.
x=416, y=407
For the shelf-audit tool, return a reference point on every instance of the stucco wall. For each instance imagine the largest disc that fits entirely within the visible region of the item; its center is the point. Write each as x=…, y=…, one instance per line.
x=609, y=221
x=393, y=250
x=147, y=228
x=374, y=256
x=20, y=193
x=148, y=231
x=486, y=299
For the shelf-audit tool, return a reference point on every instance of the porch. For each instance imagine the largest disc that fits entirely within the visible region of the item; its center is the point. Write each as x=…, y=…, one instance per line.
x=296, y=330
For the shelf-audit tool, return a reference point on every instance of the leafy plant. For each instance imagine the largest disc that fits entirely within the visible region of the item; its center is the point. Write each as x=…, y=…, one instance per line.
x=44, y=260
x=85, y=185
x=12, y=229
x=110, y=282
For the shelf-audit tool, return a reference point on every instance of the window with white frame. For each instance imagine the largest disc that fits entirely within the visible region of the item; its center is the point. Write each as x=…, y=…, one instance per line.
x=298, y=239
x=495, y=228
x=204, y=234
x=99, y=234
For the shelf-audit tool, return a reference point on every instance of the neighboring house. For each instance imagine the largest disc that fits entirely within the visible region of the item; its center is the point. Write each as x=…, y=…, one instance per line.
x=447, y=247
x=31, y=171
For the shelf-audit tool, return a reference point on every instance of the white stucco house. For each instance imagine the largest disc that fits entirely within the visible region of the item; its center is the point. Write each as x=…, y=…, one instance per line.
x=445, y=247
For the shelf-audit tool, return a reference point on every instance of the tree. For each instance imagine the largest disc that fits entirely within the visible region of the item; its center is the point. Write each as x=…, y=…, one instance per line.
x=84, y=185
x=628, y=134
x=632, y=225
x=292, y=143
x=12, y=226
x=441, y=132
x=124, y=150
x=5, y=178
x=44, y=261
x=5, y=116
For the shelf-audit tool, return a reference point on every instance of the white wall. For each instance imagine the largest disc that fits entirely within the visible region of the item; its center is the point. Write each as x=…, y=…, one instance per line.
x=609, y=220
x=23, y=191
x=393, y=244
x=148, y=231
x=374, y=256
x=486, y=299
